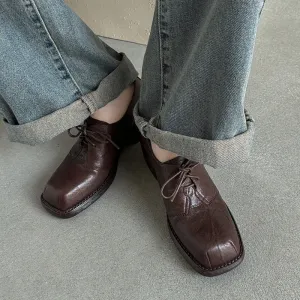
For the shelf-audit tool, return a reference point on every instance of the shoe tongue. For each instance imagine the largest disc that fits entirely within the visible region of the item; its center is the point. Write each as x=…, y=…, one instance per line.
x=177, y=161
x=96, y=125
x=180, y=162
x=91, y=122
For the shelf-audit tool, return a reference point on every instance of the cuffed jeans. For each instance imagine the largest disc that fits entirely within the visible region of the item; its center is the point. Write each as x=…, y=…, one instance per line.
x=55, y=72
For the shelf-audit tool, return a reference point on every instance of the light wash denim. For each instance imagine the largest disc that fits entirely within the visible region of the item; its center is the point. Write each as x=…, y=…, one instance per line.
x=55, y=72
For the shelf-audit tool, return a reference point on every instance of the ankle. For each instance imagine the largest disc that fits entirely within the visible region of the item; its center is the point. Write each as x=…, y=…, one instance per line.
x=162, y=155
x=116, y=109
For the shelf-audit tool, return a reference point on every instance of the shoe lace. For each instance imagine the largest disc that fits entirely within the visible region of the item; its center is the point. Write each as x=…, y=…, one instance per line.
x=90, y=137
x=183, y=173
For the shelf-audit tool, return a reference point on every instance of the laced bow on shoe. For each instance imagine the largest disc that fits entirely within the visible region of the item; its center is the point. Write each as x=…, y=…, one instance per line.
x=90, y=137
x=183, y=173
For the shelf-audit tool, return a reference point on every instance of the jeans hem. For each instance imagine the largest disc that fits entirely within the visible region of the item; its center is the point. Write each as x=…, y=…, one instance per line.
x=215, y=153
x=49, y=126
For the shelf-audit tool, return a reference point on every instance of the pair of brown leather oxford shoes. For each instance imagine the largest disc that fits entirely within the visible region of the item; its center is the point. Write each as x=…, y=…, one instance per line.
x=199, y=221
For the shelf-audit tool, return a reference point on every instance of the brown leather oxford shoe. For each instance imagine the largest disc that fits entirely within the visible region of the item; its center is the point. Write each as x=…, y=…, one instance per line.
x=199, y=221
x=90, y=167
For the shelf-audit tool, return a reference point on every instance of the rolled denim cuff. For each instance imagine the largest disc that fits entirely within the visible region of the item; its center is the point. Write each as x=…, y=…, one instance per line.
x=49, y=126
x=215, y=153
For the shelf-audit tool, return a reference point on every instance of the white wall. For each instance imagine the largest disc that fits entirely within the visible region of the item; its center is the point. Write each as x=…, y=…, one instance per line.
x=120, y=19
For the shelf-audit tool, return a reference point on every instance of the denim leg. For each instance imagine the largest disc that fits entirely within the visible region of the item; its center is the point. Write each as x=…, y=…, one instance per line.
x=195, y=76
x=55, y=71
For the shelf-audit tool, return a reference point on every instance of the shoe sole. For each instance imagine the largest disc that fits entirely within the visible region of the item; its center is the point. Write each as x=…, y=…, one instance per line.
x=84, y=204
x=189, y=257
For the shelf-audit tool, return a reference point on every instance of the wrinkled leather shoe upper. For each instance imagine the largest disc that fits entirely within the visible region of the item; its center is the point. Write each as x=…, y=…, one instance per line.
x=198, y=217
x=90, y=165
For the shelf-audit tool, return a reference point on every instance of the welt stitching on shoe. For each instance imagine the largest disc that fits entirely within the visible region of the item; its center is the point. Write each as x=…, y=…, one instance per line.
x=82, y=201
x=194, y=259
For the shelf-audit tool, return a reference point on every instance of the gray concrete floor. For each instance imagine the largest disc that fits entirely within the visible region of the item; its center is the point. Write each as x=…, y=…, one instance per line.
x=120, y=248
